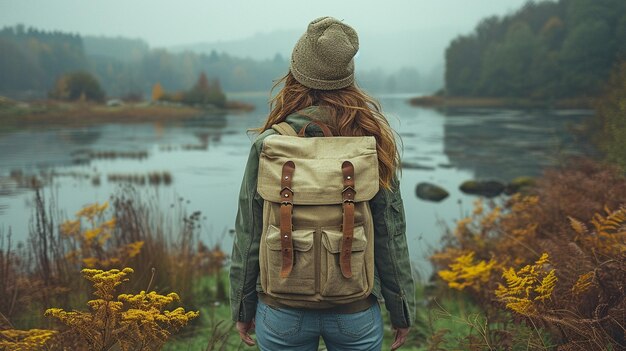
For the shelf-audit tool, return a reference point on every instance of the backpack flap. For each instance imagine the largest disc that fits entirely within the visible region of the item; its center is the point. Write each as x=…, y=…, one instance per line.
x=318, y=165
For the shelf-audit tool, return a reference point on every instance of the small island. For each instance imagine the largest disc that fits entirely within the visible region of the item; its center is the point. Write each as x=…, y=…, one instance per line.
x=78, y=99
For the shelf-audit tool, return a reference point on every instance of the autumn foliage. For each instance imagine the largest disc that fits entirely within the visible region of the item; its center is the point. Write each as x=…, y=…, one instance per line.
x=103, y=241
x=78, y=85
x=88, y=238
x=555, y=258
x=133, y=322
x=204, y=92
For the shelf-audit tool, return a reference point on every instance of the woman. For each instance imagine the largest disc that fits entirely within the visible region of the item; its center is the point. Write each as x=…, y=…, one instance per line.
x=320, y=86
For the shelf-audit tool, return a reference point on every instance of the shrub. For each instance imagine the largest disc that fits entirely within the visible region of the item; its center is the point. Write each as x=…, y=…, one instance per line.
x=77, y=86
x=162, y=247
x=134, y=322
x=27, y=340
x=555, y=258
x=610, y=118
x=204, y=93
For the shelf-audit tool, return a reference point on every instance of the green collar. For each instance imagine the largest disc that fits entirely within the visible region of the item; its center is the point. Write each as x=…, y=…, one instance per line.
x=299, y=119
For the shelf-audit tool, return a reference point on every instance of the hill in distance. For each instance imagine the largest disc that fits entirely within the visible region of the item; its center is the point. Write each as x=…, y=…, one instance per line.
x=387, y=51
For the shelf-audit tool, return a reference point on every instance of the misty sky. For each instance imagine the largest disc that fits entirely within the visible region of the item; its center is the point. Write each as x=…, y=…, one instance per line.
x=392, y=33
x=166, y=23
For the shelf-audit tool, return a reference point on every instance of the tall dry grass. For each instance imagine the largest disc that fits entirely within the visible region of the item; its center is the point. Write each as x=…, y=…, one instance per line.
x=131, y=230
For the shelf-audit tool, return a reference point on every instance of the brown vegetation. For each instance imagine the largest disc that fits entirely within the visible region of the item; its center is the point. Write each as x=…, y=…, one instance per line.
x=81, y=114
x=47, y=113
x=163, y=250
x=556, y=258
x=437, y=101
x=131, y=322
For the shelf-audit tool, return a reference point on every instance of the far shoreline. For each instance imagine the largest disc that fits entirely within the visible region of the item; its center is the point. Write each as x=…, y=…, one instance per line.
x=443, y=102
x=16, y=114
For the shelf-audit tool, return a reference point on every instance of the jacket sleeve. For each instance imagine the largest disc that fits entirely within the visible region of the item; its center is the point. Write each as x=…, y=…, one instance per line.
x=244, y=268
x=392, y=255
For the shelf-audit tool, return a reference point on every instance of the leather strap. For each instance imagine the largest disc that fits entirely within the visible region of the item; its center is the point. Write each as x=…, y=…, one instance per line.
x=286, y=206
x=348, y=193
x=284, y=128
x=324, y=127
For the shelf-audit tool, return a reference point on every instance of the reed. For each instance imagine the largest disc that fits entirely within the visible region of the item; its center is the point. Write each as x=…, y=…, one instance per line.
x=152, y=178
x=129, y=231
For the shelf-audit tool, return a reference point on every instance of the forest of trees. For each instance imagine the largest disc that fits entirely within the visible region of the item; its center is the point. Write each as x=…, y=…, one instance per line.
x=545, y=50
x=31, y=61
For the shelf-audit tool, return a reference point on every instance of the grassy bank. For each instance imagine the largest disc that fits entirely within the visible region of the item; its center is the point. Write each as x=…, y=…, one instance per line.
x=529, y=272
x=442, y=102
x=50, y=112
x=166, y=256
x=161, y=250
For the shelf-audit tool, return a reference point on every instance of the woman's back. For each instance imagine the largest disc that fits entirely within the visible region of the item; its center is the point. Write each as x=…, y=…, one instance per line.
x=277, y=246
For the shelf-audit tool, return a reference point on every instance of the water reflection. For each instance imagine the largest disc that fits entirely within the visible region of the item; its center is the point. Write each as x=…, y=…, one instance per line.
x=81, y=136
x=503, y=144
x=203, y=159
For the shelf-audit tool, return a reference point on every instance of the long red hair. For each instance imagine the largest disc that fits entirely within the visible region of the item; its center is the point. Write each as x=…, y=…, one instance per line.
x=352, y=112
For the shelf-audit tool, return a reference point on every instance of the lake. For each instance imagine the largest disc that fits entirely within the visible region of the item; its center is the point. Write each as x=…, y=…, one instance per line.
x=204, y=158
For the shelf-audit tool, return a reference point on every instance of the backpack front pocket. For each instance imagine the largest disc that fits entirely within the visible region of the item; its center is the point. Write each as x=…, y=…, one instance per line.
x=333, y=282
x=301, y=280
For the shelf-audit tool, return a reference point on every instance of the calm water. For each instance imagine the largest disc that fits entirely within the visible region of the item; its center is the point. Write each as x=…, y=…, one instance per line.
x=206, y=157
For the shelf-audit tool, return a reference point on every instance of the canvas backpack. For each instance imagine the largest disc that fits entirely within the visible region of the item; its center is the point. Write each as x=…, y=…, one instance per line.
x=317, y=243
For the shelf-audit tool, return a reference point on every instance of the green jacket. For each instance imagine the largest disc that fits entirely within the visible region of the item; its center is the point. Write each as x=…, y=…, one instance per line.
x=393, y=281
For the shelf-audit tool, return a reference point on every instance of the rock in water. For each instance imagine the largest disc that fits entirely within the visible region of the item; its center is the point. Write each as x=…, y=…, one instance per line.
x=430, y=192
x=412, y=165
x=487, y=188
x=519, y=184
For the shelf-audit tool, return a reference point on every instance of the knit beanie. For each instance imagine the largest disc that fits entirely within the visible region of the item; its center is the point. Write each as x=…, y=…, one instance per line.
x=323, y=56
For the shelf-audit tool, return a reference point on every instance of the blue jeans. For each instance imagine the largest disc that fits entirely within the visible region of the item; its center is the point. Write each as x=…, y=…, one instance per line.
x=279, y=329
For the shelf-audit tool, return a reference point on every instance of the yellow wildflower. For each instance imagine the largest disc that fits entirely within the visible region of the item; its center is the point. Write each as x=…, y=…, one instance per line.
x=90, y=262
x=110, y=224
x=92, y=211
x=70, y=228
x=462, y=227
x=528, y=231
x=133, y=249
x=491, y=218
x=583, y=283
x=464, y=272
x=26, y=340
x=103, y=207
x=102, y=239
x=113, y=261
x=528, y=284
x=134, y=322
x=106, y=281
x=608, y=237
x=521, y=305
x=545, y=288
x=526, y=202
x=91, y=234
x=478, y=207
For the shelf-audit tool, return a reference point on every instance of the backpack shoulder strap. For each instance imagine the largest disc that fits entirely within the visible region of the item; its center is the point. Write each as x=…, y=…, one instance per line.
x=284, y=128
